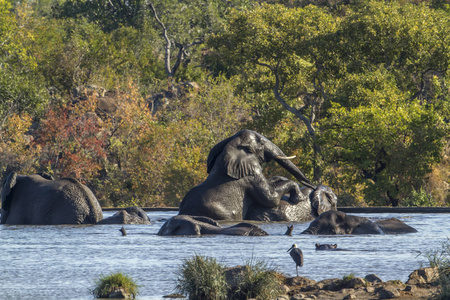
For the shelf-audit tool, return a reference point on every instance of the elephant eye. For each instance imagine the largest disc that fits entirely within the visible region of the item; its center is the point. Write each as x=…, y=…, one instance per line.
x=245, y=149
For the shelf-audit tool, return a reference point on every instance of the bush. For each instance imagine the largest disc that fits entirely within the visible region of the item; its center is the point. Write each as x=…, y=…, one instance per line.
x=202, y=278
x=257, y=281
x=348, y=277
x=110, y=283
x=440, y=258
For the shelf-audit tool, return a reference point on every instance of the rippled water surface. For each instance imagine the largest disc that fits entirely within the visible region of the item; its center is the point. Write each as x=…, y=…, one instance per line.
x=62, y=262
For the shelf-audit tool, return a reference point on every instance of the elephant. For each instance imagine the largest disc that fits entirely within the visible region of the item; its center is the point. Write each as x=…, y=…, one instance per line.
x=236, y=188
x=198, y=225
x=326, y=247
x=129, y=215
x=321, y=199
x=338, y=222
x=38, y=199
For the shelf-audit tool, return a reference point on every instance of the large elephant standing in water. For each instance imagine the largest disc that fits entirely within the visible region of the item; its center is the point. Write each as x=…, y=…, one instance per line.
x=236, y=188
x=39, y=200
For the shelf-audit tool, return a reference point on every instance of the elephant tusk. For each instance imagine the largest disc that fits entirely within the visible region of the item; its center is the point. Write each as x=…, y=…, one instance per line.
x=285, y=157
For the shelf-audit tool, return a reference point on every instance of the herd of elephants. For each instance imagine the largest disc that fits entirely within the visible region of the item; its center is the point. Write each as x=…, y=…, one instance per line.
x=235, y=190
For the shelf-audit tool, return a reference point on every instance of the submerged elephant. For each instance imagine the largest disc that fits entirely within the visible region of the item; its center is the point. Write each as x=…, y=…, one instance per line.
x=236, y=188
x=337, y=222
x=195, y=225
x=39, y=200
x=129, y=215
x=326, y=246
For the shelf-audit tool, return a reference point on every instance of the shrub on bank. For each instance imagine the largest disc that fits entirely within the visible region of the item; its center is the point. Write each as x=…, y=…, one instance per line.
x=115, y=283
x=205, y=279
x=257, y=281
x=202, y=278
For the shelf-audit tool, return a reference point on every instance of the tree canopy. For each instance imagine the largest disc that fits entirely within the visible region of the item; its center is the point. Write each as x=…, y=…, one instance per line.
x=129, y=97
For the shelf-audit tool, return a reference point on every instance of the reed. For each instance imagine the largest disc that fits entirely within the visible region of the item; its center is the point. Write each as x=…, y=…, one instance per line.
x=440, y=258
x=257, y=281
x=202, y=278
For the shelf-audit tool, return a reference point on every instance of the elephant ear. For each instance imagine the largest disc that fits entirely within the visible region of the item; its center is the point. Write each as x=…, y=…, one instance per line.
x=10, y=182
x=215, y=152
x=239, y=161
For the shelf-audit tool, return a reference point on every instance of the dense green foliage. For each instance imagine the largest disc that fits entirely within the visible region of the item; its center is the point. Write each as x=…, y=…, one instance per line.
x=131, y=105
x=106, y=284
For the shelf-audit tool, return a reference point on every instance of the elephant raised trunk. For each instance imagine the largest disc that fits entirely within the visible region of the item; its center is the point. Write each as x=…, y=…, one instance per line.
x=285, y=162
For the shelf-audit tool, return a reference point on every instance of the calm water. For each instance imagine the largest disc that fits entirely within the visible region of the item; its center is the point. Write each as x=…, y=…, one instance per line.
x=62, y=262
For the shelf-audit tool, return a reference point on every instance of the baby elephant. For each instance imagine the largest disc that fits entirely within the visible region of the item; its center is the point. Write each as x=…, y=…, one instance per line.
x=326, y=247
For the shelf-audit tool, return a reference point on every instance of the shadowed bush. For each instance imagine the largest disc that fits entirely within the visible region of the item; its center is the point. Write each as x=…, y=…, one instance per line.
x=202, y=278
x=257, y=281
x=113, y=282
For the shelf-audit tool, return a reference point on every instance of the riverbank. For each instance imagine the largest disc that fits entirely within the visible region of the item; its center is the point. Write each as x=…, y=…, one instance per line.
x=421, y=284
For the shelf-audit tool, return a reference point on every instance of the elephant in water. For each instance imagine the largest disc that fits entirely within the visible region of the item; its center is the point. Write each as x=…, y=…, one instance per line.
x=326, y=247
x=39, y=200
x=337, y=222
x=129, y=215
x=194, y=225
x=236, y=188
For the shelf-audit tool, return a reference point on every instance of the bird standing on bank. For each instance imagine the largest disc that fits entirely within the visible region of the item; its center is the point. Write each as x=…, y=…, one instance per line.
x=297, y=256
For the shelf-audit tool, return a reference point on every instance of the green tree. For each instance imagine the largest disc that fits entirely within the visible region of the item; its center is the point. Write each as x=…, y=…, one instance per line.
x=384, y=58
x=21, y=87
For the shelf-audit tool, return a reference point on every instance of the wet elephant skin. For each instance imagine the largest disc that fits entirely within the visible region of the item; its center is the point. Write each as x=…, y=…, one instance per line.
x=337, y=222
x=236, y=188
x=197, y=225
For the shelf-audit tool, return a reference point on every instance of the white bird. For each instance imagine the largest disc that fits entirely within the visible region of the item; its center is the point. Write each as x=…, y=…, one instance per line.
x=297, y=256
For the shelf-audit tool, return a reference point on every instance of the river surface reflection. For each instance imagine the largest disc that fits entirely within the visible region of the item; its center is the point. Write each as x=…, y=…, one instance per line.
x=62, y=262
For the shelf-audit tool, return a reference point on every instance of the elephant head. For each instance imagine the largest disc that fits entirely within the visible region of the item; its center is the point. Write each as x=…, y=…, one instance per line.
x=242, y=155
x=337, y=222
x=236, y=188
x=129, y=215
x=322, y=199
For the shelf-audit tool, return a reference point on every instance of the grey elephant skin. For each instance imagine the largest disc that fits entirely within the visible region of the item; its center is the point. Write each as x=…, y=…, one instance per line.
x=39, y=200
x=236, y=188
x=337, y=222
x=197, y=225
x=129, y=215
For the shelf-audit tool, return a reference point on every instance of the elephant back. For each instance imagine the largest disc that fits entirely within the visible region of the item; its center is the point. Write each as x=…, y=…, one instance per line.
x=84, y=200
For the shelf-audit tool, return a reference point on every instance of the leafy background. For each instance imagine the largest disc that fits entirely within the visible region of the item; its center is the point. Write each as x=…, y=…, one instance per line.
x=101, y=91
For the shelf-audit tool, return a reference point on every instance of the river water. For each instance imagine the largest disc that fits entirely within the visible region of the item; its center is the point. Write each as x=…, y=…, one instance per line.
x=63, y=262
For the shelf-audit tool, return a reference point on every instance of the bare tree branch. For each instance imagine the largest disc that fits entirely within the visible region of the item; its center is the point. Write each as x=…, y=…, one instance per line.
x=182, y=49
x=166, y=37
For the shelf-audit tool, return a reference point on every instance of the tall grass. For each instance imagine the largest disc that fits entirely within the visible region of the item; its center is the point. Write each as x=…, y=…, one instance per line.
x=440, y=258
x=106, y=284
x=203, y=278
x=257, y=281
